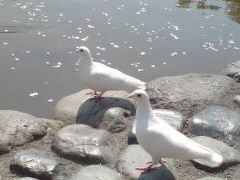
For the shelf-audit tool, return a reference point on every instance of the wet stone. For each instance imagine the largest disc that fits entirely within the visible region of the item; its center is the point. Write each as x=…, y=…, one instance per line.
x=216, y=122
x=18, y=128
x=80, y=142
x=97, y=172
x=135, y=157
x=233, y=71
x=230, y=155
x=80, y=108
x=191, y=93
x=36, y=164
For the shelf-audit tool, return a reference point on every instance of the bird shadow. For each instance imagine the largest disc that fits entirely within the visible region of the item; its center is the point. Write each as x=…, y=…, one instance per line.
x=91, y=112
x=161, y=172
x=213, y=170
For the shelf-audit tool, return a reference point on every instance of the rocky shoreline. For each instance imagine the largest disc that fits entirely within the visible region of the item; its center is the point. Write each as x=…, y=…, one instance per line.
x=95, y=140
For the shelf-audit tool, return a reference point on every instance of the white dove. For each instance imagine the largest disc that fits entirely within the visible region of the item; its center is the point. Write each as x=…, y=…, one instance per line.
x=101, y=78
x=161, y=140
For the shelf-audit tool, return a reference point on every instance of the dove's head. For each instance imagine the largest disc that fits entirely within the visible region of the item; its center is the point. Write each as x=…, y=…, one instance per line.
x=139, y=96
x=84, y=53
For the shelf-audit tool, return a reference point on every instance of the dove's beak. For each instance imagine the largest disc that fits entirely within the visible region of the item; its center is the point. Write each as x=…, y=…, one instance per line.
x=131, y=96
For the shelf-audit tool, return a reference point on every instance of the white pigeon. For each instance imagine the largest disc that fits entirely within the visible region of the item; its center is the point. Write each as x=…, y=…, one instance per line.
x=101, y=78
x=161, y=140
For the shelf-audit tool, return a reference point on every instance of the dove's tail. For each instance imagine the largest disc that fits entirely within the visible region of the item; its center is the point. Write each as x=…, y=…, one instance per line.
x=216, y=158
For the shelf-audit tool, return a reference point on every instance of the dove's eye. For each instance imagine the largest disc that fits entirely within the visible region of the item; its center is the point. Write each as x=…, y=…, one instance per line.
x=138, y=95
x=81, y=50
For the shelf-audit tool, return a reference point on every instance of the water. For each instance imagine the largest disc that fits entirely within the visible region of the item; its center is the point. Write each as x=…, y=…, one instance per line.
x=144, y=38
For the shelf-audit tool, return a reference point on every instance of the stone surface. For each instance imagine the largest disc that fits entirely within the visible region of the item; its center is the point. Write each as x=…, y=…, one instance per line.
x=135, y=157
x=216, y=122
x=236, y=174
x=236, y=100
x=36, y=164
x=210, y=178
x=233, y=70
x=18, y=128
x=230, y=155
x=192, y=92
x=80, y=107
x=114, y=119
x=25, y=178
x=82, y=142
x=52, y=125
x=97, y=172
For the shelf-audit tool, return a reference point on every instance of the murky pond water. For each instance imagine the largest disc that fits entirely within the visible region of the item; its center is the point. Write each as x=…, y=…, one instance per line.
x=144, y=38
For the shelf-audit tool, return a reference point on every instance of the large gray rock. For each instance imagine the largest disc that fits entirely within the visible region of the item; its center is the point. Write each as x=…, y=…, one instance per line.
x=82, y=142
x=135, y=157
x=216, y=122
x=79, y=107
x=18, y=128
x=233, y=70
x=97, y=172
x=36, y=164
x=230, y=155
x=192, y=92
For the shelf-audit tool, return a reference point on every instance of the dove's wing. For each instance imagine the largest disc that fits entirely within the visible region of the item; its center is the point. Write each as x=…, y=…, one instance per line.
x=172, y=143
x=105, y=78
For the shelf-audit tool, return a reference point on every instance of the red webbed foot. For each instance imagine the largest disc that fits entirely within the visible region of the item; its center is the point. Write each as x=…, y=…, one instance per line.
x=95, y=96
x=145, y=170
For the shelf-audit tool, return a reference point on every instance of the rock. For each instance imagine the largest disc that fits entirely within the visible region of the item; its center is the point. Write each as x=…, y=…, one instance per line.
x=236, y=174
x=236, y=99
x=18, y=128
x=36, y=164
x=230, y=155
x=52, y=125
x=25, y=178
x=134, y=157
x=216, y=122
x=210, y=178
x=114, y=120
x=192, y=92
x=97, y=172
x=233, y=70
x=79, y=107
x=82, y=142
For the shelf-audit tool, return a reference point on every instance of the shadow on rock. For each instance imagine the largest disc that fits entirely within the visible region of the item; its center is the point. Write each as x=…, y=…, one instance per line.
x=213, y=170
x=93, y=113
x=162, y=173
